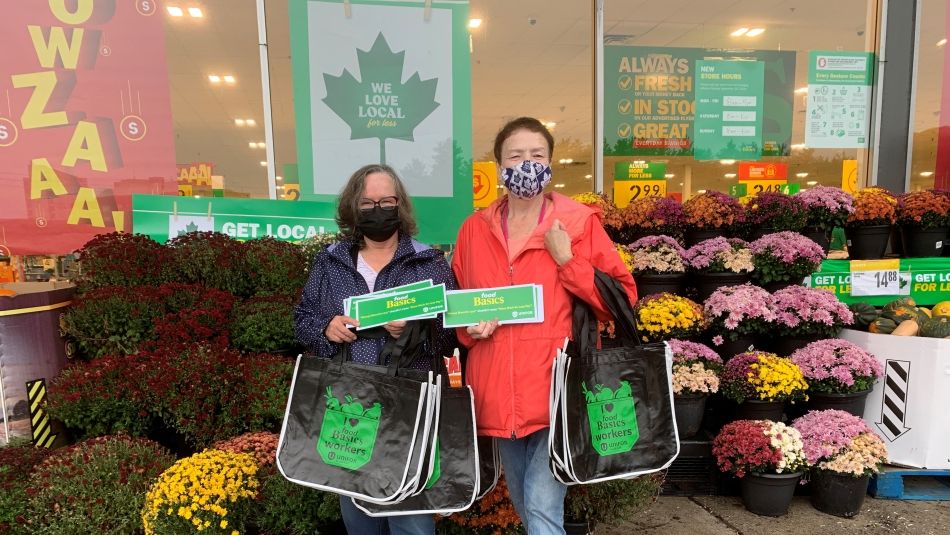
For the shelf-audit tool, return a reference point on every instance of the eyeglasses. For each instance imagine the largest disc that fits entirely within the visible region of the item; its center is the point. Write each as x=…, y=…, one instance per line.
x=386, y=203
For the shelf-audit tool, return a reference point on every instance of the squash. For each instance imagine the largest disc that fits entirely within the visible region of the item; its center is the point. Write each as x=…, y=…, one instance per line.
x=938, y=327
x=941, y=309
x=898, y=303
x=906, y=328
x=926, y=312
x=882, y=326
x=902, y=313
x=864, y=315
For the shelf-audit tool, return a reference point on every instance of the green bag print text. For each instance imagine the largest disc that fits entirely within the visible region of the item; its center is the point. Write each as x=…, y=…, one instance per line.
x=612, y=418
x=348, y=433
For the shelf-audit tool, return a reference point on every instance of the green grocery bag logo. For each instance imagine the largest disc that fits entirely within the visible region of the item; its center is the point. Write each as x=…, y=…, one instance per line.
x=436, y=468
x=612, y=418
x=348, y=433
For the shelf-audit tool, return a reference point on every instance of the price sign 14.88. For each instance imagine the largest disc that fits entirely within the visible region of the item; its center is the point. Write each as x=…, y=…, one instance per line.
x=878, y=278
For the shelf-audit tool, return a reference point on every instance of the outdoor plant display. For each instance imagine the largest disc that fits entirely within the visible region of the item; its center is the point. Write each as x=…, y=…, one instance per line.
x=212, y=491
x=827, y=207
x=112, y=320
x=664, y=316
x=96, y=486
x=696, y=370
x=808, y=314
x=868, y=228
x=120, y=259
x=842, y=453
x=738, y=315
x=657, y=255
x=924, y=218
x=714, y=211
x=625, y=256
x=264, y=324
x=210, y=259
x=784, y=257
x=646, y=216
x=775, y=211
x=611, y=501
x=262, y=445
x=493, y=514
x=316, y=244
x=275, y=267
x=720, y=255
x=17, y=460
x=840, y=374
x=761, y=376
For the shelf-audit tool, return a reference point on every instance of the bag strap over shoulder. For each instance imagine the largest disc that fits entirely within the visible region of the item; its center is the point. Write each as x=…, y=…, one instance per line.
x=615, y=300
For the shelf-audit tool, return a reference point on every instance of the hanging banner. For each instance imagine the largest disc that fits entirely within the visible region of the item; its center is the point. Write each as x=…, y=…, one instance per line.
x=386, y=82
x=162, y=217
x=839, y=99
x=85, y=120
x=649, y=99
x=729, y=110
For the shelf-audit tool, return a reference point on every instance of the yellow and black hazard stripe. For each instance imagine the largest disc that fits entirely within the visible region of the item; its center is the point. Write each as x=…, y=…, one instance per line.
x=43, y=436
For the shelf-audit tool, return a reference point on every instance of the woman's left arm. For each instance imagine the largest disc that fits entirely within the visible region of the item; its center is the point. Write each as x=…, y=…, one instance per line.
x=595, y=249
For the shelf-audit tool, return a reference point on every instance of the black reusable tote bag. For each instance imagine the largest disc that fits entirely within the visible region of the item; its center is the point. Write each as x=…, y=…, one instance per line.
x=617, y=400
x=352, y=430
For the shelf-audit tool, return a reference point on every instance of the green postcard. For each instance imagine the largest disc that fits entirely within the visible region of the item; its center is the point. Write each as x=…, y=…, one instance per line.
x=508, y=304
x=349, y=304
x=400, y=306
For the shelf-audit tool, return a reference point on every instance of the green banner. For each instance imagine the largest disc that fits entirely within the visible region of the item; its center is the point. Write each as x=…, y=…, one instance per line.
x=649, y=99
x=729, y=96
x=162, y=217
x=839, y=99
x=386, y=81
x=639, y=171
x=401, y=306
x=512, y=304
x=929, y=281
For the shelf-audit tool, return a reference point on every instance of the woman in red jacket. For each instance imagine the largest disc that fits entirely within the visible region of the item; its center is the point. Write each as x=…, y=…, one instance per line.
x=529, y=237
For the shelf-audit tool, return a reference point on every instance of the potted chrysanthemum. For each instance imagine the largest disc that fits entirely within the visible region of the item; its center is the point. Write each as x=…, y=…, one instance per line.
x=658, y=265
x=646, y=216
x=696, y=370
x=719, y=262
x=840, y=374
x=842, y=453
x=761, y=383
x=868, y=228
x=768, y=459
x=772, y=211
x=738, y=316
x=784, y=259
x=804, y=315
x=827, y=208
x=924, y=218
x=665, y=316
x=712, y=214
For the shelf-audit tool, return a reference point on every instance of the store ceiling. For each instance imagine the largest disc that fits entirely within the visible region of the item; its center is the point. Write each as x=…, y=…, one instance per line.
x=530, y=57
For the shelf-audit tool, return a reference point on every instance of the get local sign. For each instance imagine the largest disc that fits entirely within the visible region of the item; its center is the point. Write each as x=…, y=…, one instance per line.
x=163, y=217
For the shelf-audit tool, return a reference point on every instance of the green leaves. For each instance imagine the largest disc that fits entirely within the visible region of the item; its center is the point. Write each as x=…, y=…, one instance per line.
x=380, y=105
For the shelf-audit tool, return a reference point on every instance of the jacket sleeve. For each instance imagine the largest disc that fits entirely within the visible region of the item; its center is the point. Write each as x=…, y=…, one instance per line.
x=595, y=249
x=444, y=340
x=458, y=268
x=310, y=315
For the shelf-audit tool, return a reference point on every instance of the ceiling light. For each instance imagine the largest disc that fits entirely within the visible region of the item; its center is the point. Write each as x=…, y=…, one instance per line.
x=239, y=122
x=559, y=185
x=251, y=144
x=740, y=32
x=474, y=23
x=755, y=31
x=175, y=11
x=195, y=12
x=701, y=191
x=801, y=90
x=730, y=175
x=228, y=79
x=669, y=175
x=214, y=78
x=551, y=124
x=727, y=162
x=263, y=164
x=927, y=173
x=811, y=182
x=801, y=175
x=798, y=146
x=565, y=161
x=279, y=178
x=197, y=196
x=681, y=183
x=250, y=122
x=588, y=176
x=280, y=187
x=942, y=42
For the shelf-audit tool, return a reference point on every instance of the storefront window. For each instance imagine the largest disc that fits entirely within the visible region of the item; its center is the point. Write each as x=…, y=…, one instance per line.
x=930, y=163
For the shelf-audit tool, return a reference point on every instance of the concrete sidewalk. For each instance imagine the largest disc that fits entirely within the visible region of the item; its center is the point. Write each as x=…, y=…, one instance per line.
x=725, y=515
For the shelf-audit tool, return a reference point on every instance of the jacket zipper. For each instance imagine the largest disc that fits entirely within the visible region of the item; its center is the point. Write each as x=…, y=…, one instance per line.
x=511, y=359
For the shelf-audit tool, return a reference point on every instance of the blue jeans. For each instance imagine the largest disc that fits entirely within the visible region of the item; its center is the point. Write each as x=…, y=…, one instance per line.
x=537, y=496
x=359, y=523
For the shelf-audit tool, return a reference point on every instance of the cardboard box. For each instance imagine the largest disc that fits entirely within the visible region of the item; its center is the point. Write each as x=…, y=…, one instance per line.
x=908, y=407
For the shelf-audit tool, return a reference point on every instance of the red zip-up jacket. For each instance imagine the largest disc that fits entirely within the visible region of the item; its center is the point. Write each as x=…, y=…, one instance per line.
x=510, y=373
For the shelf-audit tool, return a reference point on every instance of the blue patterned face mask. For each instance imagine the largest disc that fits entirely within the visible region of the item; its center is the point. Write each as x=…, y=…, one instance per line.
x=527, y=179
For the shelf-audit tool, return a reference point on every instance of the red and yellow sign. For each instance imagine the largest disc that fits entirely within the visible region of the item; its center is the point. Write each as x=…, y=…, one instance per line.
x=484, y=183
x=762, y=171
x=85, y=120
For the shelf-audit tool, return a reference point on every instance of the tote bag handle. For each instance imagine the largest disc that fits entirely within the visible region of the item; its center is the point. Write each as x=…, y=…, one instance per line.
x=615, y=301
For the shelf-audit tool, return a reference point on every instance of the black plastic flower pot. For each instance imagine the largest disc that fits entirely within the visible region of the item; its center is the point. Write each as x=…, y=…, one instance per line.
x=731, y=348
x=922, y=243
x=654, y=283
x=838, y=494
x=693, y=236
x=754, y=409
x=689, y=413
x=784, y=346
x=867, y=243
x=851, y=403
x=707, y=283
x=775, y=286
x=769, y=494
x=579, y=527
x=820, y=236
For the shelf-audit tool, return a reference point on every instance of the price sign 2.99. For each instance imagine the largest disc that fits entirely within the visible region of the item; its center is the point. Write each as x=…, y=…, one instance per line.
x=631, y=190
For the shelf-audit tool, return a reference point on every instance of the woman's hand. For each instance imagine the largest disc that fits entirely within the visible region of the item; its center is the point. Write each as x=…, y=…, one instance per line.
x=558, y=243
x=337, y=332
x=483, y=330
x=395, y=328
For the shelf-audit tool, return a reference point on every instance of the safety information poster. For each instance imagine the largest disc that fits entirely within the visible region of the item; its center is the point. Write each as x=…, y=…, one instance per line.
x=839, y=99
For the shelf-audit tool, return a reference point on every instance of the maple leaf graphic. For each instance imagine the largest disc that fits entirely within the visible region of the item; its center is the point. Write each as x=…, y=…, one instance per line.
x=190, y=227
x=380, y=105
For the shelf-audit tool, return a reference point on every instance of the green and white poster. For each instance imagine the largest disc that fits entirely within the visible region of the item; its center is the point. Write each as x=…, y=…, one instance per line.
x=162, y=217
x=839, y=99
x=386, y=81
x=728, y=110
x=649, y=98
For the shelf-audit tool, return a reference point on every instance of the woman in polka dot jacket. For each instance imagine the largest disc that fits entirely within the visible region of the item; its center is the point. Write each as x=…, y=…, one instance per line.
x=375, y=215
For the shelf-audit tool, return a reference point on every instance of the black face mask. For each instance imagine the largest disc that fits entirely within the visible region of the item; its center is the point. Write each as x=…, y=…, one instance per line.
x=378, y=224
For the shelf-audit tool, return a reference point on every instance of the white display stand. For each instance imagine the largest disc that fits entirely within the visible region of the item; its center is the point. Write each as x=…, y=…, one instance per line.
x=909, y=407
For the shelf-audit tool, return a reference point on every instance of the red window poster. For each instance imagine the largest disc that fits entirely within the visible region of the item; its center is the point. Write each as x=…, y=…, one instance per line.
x=85, y=120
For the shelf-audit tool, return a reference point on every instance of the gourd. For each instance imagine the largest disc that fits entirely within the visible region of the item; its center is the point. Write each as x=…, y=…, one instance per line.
x=864, y=315
x=941, y=309
x=906, y=328
x=938, y=327
x=882, y=326
x=926, y=312
x=902, y=313
x=897, y=303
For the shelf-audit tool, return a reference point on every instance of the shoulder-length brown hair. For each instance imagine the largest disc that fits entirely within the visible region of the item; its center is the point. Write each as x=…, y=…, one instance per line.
x=348, y=209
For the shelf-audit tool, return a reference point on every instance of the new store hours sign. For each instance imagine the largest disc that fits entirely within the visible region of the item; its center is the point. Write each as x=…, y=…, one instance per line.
x=729, y=100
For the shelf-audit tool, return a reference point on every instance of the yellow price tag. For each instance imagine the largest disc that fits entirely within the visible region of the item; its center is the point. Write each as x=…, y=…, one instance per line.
x=754, y=187
x=291, y=192
x=876, y=265
x=631, y=190
x=185, y=190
